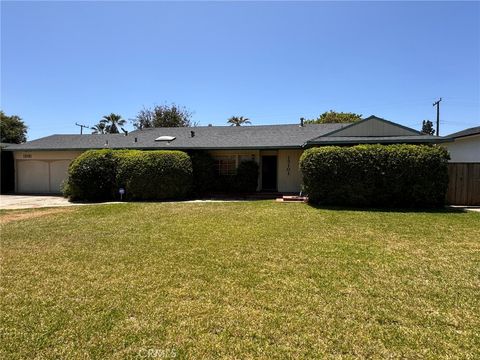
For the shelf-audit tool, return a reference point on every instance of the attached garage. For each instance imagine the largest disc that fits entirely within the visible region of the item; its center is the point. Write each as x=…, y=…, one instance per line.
x=42, y=172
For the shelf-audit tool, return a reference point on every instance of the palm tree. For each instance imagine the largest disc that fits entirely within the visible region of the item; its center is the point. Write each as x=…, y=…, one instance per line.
x=112, y=123
x=238, y=121
x=99, y=128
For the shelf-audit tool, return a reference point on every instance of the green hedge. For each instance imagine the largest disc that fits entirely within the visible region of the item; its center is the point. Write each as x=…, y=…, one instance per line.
x=204, y=173
x=206, y=179
x=376, y=175
x=246, y=178
x=92, y=176
x=155, y=175
x=97, y=175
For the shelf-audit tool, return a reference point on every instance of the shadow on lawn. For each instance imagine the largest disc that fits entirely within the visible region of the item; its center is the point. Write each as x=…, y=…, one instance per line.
x=442, y=210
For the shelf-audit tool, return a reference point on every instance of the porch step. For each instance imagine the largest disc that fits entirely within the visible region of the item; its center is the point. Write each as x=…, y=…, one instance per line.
x=292, y=198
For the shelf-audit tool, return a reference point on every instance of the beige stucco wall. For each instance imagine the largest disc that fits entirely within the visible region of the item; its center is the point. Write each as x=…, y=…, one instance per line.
x=373, y=128
x=465, y=149
x=41, y=171
x=288, y=172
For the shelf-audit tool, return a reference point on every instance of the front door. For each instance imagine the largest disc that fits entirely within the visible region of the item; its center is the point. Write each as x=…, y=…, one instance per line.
x=269, y=173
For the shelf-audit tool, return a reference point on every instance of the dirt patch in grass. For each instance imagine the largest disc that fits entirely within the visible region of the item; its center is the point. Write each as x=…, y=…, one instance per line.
x=16, y=215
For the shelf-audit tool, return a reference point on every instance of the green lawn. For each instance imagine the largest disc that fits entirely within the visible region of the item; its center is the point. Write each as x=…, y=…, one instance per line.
x=239, y=280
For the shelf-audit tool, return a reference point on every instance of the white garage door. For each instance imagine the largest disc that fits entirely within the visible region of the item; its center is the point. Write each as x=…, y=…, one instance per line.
x=58, y=172
x=39, y=176
x=32, y=176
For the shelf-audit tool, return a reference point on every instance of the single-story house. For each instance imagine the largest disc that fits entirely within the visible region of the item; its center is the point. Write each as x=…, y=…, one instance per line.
x=41, y=165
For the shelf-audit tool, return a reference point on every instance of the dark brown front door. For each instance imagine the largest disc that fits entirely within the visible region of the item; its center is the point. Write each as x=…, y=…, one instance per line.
x=269, y=173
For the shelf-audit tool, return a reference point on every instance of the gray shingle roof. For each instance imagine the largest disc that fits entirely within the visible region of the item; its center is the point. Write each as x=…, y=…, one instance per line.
x=216, y=137
x=206, y=137
x=467, y=132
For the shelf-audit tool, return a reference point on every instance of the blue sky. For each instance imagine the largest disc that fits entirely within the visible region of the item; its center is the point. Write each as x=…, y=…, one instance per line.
x=67, y=62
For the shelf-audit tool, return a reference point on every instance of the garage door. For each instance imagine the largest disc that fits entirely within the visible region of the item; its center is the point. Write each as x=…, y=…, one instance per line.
x=37, y=176
x=58, y=172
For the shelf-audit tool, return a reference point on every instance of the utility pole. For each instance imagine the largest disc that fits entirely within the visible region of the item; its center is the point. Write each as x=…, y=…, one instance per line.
x=437, y=104
x=81, y=127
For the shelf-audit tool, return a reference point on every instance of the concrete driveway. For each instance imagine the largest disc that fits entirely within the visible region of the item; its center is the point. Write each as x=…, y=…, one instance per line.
x=10, y=202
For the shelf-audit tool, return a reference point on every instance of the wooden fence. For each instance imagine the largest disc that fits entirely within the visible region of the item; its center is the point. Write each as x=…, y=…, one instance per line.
x=464, y=184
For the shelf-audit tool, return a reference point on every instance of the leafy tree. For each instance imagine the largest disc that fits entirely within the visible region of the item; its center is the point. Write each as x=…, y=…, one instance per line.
x=335, y=117
x=427, y=127
x=12, y=129
x=144, y=119
x=100, y=128
x=112, y=123
x=238, y=121
x=164, y=116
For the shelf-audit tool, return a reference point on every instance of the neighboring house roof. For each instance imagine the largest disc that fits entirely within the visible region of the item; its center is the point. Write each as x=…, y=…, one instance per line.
x=231, y=137
x=467, y=132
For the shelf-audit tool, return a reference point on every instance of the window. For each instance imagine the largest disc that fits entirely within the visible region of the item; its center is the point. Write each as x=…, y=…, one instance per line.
x=226, y=165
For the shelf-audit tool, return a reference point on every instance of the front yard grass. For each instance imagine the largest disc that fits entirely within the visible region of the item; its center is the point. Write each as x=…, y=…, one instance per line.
x=240, y=280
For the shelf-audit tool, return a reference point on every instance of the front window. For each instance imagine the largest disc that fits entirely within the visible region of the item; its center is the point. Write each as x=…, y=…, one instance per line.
x=226, y=165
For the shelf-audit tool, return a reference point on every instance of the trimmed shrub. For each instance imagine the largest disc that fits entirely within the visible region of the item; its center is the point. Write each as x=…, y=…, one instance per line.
x=91, y=176
x=246, y=179
x=97, y=175
x=204, y=174
x=206, y=178
x=376, y=175
x=155, y=175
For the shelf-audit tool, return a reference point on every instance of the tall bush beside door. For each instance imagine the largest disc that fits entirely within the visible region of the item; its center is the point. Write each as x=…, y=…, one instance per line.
x=376, y=175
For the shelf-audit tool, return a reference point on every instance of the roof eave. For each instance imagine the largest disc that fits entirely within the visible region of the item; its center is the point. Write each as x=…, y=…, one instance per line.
x=462, y=136
x=373, y=141
x=163, y=148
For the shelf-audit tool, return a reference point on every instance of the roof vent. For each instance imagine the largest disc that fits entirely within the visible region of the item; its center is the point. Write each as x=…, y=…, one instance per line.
x=165, y=138
x=301, y=121
x=192, y=133
x=210, y=125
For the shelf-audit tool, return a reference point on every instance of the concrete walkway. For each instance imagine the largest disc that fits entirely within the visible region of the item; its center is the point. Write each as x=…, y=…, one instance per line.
x=466, y=208
x=9, y=202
